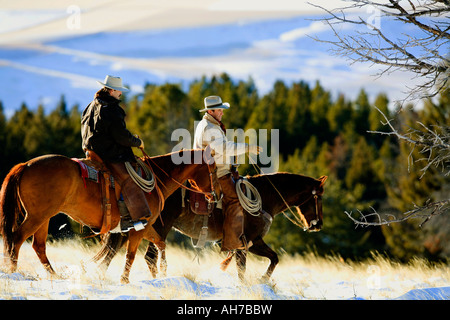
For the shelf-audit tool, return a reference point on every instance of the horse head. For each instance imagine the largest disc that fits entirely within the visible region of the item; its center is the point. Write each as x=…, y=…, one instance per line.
x=309, y=208
x=205, y=178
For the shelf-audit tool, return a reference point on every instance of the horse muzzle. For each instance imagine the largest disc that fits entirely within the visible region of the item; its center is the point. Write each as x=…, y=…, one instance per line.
x=314, y=226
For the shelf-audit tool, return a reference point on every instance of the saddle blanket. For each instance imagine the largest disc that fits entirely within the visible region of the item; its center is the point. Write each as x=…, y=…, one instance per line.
x=89, y=172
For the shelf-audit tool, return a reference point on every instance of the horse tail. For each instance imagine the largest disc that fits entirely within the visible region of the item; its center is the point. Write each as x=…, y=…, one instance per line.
x=10, y=205
x=111, y=242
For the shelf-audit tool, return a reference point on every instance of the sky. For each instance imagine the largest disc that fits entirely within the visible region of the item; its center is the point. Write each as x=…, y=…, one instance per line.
x=51, y=49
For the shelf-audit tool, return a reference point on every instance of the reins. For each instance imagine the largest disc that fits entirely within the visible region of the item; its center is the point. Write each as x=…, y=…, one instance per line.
x=298, y=222
x=210, y=196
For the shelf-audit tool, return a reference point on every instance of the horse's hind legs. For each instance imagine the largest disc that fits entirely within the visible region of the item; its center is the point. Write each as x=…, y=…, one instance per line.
x=151, y=258
x=241, y=263
x=25, y=230
x=11, y=257
x=39, y=246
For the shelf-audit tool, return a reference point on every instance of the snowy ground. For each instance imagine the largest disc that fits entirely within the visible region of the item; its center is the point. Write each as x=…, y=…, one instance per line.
x=296, y=278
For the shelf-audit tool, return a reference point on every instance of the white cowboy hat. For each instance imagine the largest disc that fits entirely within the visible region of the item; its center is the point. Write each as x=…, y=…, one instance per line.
x=113, y=83
x=213, y=103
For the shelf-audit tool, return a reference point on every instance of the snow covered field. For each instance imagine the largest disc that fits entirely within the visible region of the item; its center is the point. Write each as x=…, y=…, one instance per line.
x=199, y=278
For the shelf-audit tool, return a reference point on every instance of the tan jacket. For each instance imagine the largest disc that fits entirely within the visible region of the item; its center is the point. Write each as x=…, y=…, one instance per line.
x=208, y=132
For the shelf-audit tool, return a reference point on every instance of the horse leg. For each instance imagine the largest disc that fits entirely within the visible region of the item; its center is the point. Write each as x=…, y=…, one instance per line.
x=23, y=232
x=104, y=265
x=161, y=245
x=260, y=248
x=39, y=245
x=151, y=258
x=112, y=242
x=134, y=240
x=154, y=251
x=241, y=263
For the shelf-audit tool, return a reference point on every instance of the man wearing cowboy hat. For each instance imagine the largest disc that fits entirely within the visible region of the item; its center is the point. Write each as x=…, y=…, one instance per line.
x=211, y=131
x=104, y=132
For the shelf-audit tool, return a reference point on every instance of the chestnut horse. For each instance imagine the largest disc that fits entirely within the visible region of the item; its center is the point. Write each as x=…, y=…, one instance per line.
x=35, y=191
x=279, y=192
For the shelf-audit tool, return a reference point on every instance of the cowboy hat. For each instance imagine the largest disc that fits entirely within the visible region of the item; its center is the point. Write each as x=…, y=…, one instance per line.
x=113, y=83
x=213, y=103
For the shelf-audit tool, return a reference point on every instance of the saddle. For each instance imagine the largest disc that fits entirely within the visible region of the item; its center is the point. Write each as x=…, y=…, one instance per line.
x=94, y=169
x=199, y=205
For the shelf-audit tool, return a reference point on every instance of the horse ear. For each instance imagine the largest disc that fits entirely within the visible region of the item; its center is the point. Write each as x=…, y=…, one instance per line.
x=322, y=180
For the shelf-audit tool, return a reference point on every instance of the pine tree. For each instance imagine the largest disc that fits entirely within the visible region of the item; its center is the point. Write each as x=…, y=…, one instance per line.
x=37, y=139
x=361, y=171
x=361, y=115
x=339, y=113
x=163, y=109
x=3, y=160
x=16, y=130
x=413, y=187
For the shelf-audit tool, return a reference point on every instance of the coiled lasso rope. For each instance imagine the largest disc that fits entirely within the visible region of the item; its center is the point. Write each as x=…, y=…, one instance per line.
x=250, y=202
x=146, y=185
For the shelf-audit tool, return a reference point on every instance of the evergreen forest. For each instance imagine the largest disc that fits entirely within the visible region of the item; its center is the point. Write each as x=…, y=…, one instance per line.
x=319, y=134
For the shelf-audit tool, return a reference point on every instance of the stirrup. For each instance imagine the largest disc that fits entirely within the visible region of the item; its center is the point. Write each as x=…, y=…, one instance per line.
x=126, y=225
x=246, y=245
x=140, y=225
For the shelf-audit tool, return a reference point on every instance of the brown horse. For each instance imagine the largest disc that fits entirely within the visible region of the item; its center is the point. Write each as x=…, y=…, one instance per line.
x=278, y=191
x=35, y=191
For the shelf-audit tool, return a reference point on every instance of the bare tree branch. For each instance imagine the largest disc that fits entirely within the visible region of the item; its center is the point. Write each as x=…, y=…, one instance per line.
x=428, y=56
x=426, y=212
x=433, y=140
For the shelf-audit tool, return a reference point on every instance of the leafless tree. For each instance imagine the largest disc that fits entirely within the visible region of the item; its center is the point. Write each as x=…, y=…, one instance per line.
x=426, y=56
x=432, y=141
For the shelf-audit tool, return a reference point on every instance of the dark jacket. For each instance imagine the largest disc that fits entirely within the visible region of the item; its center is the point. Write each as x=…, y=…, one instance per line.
x=104, y=131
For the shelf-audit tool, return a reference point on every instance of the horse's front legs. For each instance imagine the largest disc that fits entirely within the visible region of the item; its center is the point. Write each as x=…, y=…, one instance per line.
x=260, y=248
x=134, y=239
x=161, y=245
x=155, y=251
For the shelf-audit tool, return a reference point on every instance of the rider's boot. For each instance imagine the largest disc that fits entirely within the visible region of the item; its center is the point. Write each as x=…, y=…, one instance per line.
x=136, y=203
x=233, y=226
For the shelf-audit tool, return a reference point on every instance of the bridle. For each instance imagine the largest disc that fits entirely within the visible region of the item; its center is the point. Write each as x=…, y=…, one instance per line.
x=210, y=196
x=313, y=222
x=298, y=222
x=316, y=208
